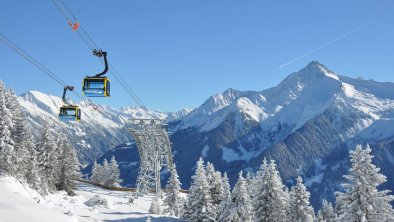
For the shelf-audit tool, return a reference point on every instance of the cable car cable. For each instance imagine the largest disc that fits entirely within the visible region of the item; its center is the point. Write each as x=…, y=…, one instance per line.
x=29, y=58
x=89, y=42
x=91, y=45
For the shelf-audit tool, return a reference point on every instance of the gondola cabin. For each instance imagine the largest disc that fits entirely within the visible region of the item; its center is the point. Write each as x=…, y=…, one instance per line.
x=96, y=87
x=70, y=113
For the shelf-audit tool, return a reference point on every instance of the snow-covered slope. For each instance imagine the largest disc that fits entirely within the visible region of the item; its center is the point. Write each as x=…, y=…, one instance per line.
x=19, y=203
x=100, y=128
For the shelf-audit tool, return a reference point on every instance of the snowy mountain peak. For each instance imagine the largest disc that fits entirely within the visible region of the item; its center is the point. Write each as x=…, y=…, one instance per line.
x=219, y=101
x=46, y=102
x=313, y=71
x=300, y=97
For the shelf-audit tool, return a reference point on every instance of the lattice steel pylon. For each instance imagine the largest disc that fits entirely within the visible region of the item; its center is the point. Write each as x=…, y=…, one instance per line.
x=154, y=148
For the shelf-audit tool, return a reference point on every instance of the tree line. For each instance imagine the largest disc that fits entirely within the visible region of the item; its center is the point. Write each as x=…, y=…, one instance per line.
x=46, y=164
x=263, y=197
x=106, y=174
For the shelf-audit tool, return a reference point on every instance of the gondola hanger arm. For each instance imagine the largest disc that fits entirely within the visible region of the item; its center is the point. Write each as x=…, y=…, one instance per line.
x=71, y=88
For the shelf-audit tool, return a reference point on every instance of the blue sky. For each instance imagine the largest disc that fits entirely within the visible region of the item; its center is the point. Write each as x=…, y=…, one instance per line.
x=177, y=53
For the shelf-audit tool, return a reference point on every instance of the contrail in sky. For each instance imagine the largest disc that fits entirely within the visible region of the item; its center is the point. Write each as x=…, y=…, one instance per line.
x=326, y=44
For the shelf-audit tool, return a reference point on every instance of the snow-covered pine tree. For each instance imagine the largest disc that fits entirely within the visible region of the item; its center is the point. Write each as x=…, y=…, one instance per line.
x=237, y=208
x=54, y=161
x=18, y=134
x=256, y=182
x=96, y=173
x=57, y=159
x=32, y=175
x=68, y=164
x=24, y=155
x=46, y=148
x=6, y=142
x=326, y=213
x=173, y=201
x=105, y=174
x=249, y=179
x=114, y=173
x=215, y=182
x=226, y=192
x=361, y=200
x=198, y=205
x=299, y=208
x=155, y=207
x=226, y=186
x=271, y=198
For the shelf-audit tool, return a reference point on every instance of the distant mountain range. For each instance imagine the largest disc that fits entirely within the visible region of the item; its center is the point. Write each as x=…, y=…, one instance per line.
x=100, y=128
x=307, y=124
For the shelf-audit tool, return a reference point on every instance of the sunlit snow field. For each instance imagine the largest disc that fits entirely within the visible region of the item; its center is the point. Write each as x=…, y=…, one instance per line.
x=19, y=203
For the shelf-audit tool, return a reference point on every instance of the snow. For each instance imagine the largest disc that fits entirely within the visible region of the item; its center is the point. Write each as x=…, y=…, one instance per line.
x=204, y=151
x=229, y=155
x=348, y=89
x=315, y=179
x=250, y=109
x=19, y=203
x=318, y=174
x=331, y=75
x=380, y=129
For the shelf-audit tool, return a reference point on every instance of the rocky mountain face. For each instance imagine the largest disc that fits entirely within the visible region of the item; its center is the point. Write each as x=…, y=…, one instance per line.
x=307, y=124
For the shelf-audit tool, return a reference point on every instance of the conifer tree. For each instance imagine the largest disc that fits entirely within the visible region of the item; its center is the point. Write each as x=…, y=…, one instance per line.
x=226, y=186
x=32, y=176
x=215, y=182
x=95, y=173
x=361, y=200
x=198, y=205
x=226, y=193
x=30, y=163
x=256, y=184
x=6, y=142
x=238, y=207
x=46, y=148
x=114, y=173
x=173, y=201
x=105, y=174
x=24, y=155
x=271, y=198
x=250, y=180
x=155, y=207
x=299, y=206
x=326, y=213
x=68, y=164
x=18, y=134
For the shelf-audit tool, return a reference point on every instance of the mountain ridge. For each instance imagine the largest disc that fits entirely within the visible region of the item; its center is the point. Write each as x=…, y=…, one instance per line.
x=100, y=129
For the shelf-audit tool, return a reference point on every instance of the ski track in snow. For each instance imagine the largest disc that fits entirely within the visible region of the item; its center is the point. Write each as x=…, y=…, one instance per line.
x=18, y=203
